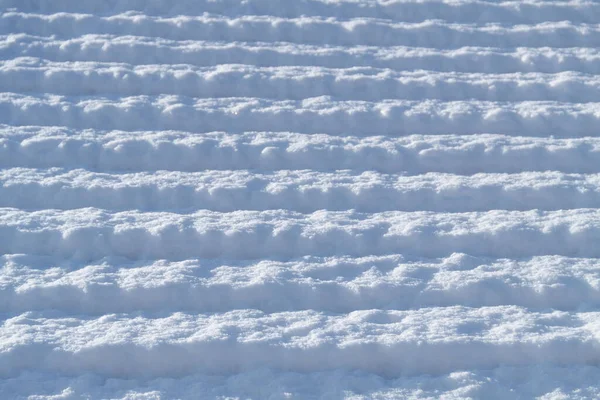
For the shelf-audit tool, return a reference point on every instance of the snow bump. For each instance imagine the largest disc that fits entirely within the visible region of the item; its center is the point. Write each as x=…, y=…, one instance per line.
x=306, y=199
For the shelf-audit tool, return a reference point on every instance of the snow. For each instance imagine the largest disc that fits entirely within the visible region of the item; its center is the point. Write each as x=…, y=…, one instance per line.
x=388, y=343
x=297, y=83
x=322, y=114
x=318, y=30
x=276, y=199
x=152, y=50
x=301, y=190
x=331, y=284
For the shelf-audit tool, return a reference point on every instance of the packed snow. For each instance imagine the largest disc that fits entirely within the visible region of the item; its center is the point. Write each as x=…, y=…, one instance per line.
x=313, y=199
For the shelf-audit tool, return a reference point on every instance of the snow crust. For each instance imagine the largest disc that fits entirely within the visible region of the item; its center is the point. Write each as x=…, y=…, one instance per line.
x=272, y=199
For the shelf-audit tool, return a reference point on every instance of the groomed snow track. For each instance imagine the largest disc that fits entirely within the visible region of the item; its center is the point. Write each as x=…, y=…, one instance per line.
x=276, y=199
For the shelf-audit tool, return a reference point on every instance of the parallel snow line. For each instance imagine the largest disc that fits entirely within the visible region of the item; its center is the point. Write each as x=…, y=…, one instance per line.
x=315, y=115
x=534, y=381
x=306, y=30
x=25, y=75
x=303, y=191
x=142, y=51
x=45, y=147
x=336, y=284
x=390, y=343
x=92, y=234
x=514, y=12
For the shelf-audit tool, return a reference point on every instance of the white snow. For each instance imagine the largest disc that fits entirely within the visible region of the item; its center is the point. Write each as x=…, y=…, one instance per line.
x=275, y=199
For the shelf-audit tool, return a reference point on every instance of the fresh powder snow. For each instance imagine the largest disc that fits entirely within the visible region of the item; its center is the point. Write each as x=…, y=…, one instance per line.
x=312, y=199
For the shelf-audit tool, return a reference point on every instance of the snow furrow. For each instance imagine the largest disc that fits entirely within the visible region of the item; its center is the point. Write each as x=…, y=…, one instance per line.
x=143, y=51
x=45, y=147
x=389, y=343
x=319, y=114
x=512, y=11
x=306, y=30
x=92, y=234
x=302, y=191
x=499, y=383
x=26, y=75
x=335, y=284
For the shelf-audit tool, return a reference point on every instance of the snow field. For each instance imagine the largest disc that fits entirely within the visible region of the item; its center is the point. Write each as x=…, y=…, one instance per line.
x=299, y=199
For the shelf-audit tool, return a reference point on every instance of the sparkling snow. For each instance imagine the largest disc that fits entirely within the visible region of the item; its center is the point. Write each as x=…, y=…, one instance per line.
x=316, y=199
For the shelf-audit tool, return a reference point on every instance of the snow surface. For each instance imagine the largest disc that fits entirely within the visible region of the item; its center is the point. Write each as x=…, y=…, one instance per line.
x=276, y=199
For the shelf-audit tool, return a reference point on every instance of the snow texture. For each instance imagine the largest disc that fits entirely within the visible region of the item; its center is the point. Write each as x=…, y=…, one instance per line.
x=313, y=199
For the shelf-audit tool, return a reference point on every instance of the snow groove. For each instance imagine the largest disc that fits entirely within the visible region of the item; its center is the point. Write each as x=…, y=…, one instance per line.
x=398, y=10
x=405, y=342
x=499, y=382
x=281, y=83
x=310, y=30
x=142, y=50
x=303, y=191
x=319, y=114
x=334, y=284
x=114, y=151
x=91, y=234
x=306, y=199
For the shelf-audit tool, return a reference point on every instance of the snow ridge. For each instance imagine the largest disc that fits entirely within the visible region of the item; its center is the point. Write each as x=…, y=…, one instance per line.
x=299, y=199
